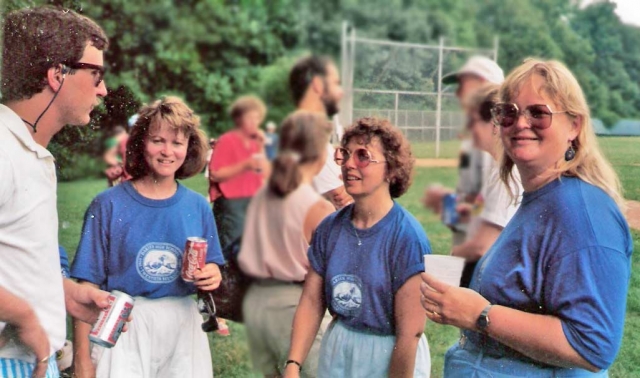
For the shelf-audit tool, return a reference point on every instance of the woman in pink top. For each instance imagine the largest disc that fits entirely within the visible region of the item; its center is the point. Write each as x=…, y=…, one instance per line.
x=238, y=167
x=280, y=221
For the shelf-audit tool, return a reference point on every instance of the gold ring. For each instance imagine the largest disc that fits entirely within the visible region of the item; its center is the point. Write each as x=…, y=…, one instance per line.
x=44, y=360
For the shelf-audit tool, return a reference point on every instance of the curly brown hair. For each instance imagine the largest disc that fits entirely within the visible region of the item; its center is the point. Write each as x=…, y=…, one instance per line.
x=174, y=112
x=37, y=39
x=397, y=150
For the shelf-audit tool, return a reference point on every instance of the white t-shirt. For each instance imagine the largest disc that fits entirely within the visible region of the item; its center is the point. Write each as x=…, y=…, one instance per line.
x=29, y=259
x=329, y=177
x=498, y=207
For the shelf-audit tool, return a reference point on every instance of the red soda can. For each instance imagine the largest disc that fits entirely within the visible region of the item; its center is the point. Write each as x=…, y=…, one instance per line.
x=107, y=329
x=194, y=257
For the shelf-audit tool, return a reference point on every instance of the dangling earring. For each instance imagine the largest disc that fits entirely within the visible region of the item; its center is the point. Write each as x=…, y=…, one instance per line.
x=571, y=153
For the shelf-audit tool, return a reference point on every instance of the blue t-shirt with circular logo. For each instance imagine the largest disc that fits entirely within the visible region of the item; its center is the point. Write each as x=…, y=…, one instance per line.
x=135, y=244
x=361, y=280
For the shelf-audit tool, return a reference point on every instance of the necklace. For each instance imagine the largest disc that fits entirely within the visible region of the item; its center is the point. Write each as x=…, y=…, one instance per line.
x=355, y=231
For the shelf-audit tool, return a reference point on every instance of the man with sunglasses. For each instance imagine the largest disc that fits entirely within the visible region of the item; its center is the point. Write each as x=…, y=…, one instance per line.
x=315, y=85
x=477, y=71
x=51, y=77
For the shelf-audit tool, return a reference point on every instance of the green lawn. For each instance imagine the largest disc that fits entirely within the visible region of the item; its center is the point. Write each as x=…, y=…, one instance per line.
x=230, y=355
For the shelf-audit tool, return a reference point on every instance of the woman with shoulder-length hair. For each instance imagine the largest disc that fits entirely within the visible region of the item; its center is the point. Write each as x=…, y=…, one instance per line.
x=365, y=264
x=133, y=239
x=280, y=221
x=548, y=299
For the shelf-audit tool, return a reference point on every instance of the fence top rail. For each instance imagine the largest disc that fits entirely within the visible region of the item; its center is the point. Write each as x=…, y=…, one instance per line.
x=385, y=91
x=420, y=46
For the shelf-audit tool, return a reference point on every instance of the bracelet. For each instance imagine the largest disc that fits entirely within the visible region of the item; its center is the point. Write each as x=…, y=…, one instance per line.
x=289, y=362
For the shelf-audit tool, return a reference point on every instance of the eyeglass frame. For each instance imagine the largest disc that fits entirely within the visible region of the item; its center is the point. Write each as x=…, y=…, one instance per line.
x=524, y=112
x=88, y=66
x=350, y=154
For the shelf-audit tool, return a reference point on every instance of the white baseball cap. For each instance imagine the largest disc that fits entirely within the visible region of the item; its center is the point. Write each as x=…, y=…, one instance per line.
x=480, y=66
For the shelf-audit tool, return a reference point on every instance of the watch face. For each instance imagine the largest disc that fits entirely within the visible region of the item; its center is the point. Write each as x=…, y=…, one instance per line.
x=483, y=322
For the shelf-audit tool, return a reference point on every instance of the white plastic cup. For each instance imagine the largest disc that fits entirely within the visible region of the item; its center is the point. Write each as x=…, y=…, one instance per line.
x=447, y=269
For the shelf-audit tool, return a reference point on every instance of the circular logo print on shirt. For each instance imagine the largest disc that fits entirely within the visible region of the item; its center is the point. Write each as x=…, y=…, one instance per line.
x=346, y=297
x=159, y=262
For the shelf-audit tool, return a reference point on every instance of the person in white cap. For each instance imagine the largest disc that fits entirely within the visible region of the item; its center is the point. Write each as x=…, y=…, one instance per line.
x=473, y=75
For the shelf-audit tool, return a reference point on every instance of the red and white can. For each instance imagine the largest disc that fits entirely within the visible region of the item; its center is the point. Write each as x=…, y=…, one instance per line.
x=194, y=257
x=107, y=329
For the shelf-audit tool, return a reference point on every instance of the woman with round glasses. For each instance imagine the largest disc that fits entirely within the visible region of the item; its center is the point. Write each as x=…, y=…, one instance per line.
x=365, y=264
x=548, y=299
x=495, y=206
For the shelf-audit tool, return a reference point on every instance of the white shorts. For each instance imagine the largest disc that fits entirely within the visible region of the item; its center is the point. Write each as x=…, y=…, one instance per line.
x=164, y=340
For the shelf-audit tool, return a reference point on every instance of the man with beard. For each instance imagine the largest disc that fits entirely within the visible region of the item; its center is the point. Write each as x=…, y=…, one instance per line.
x=315, y=86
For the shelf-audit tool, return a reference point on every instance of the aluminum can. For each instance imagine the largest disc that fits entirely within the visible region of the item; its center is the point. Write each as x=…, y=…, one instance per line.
x=450, y=216
x=194, y=257
x=107, y=329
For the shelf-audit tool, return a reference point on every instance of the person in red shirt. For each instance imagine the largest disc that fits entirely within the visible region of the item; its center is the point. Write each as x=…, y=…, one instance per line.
x=238, y=167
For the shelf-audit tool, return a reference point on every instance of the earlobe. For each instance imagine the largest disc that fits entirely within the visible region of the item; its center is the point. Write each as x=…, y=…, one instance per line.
x=317, y=85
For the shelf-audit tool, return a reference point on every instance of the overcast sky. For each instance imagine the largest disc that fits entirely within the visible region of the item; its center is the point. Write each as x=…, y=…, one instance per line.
x=627, y=10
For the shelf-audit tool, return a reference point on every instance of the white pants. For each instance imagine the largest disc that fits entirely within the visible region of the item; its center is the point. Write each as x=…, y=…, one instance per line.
x=164, y=340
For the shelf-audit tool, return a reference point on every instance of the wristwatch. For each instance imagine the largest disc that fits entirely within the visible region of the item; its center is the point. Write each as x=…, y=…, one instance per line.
x=483, y=320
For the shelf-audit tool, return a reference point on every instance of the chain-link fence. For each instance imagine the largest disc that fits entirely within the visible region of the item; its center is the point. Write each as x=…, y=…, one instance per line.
x=402, y=82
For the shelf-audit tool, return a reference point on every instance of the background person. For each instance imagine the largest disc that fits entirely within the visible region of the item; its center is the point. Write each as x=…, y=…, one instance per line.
x=132, y=241
x=271, y=141
x=477, y=71
x=112, y=155
x=495, y=205
x=280, y=221
x=315, y=85
x=238, y=167
x=548, y=298
x=59, y=86
x=366, y=260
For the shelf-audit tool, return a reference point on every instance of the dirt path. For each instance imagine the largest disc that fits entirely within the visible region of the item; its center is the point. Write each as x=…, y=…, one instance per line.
x=633, y=214
x=437, y=163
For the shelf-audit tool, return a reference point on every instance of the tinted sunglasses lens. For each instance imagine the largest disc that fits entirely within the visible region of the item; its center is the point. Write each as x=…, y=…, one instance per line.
x=363, y=158
x=340, y=156
x=540, y=116
x=505, y=115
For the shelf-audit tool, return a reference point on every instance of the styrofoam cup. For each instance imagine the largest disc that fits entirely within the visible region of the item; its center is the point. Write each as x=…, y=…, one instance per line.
x=447, y=269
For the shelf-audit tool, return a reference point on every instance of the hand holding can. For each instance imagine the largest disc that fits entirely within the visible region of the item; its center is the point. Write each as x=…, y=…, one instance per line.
x=194, y=257
x=112, y=320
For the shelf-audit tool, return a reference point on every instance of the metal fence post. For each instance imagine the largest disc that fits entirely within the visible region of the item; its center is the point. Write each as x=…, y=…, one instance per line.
x=439, y=98
x=396, y=111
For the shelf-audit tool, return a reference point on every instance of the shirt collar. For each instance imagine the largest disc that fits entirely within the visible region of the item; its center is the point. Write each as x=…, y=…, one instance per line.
x=14, y=123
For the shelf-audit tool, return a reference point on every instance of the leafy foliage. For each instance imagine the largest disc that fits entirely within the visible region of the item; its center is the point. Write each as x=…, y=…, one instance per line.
x=211, y=51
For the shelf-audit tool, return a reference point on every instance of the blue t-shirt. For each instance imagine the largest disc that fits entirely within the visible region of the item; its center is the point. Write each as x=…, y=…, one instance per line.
x=271, y=147
x=566, y=253
x=360, y=282
x=135, y=244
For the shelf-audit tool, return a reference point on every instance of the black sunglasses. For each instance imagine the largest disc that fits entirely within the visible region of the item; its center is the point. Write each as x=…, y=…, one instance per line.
x=88, y=66
x=538, y=116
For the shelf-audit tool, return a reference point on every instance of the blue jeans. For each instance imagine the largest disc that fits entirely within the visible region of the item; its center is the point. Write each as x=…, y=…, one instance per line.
x=470, y=361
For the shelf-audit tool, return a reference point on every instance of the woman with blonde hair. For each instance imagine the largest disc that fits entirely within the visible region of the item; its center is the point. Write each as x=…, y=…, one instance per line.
x=133, y=239
x=280, y=221
x=548, y=299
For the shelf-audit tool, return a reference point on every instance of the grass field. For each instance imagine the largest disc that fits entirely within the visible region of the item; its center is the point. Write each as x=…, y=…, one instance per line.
x=230, y=355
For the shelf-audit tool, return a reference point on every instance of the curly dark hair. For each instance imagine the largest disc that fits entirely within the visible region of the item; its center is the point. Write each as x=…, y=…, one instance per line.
x=174, y=112
x=397, y=150
x=37, y=39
